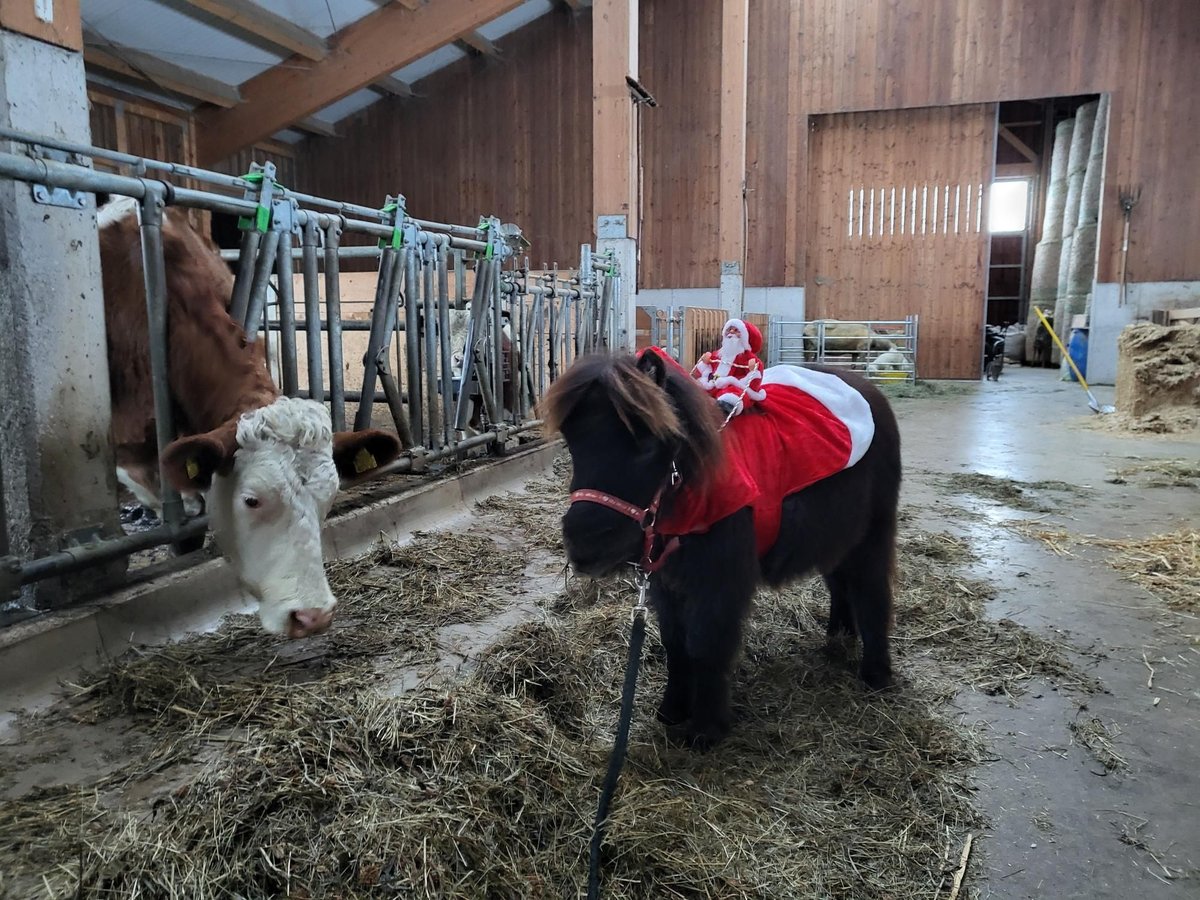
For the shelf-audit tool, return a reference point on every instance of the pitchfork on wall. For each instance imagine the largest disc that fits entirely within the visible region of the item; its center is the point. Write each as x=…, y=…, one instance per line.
x=1129, y=197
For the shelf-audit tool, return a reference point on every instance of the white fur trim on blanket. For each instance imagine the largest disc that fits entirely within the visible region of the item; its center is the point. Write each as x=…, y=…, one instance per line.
x=835, y=395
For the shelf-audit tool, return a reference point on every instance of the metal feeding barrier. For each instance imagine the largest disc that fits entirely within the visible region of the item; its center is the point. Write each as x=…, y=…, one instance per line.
x=515, y=331
x=882, y=350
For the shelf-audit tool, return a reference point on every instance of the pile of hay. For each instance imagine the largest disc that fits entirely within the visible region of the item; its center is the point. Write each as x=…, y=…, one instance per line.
x=1162, y=473
x=1158, y=375
x=485, y=786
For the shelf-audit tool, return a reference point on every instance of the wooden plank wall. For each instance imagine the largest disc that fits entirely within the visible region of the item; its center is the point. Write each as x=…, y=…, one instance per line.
x=509, y=137
x=515, y=134
x=898, y=223
x=679, y=58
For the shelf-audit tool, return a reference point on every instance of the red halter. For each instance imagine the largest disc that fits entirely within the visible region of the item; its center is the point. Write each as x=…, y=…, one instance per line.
x=647, y=518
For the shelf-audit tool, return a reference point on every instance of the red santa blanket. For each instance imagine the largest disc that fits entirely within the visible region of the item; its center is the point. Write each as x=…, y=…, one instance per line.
x=809, y=426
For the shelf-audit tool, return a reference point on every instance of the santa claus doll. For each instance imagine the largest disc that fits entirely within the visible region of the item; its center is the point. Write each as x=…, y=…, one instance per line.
x=733, y=374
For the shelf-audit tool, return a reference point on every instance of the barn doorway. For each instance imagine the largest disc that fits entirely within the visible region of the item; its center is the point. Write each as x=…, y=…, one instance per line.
x=899, y=200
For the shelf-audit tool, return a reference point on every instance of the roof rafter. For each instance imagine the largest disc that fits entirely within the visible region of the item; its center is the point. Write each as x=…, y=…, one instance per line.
x=100, y=53
x=475, y=43
x=360, y=54
x=248, y=17
x=315, y=126
x=390, y=84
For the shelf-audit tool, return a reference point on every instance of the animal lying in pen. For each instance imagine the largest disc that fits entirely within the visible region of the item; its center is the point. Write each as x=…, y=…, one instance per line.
x=891, y=361
x=267, y=465
x=809, y=479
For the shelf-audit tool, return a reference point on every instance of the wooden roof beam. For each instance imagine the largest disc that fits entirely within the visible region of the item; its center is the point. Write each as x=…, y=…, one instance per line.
x=376, y=45
x=1019, y=145
x=102, y=54
x=477, y=45
x=315, y=126
x=247, y=17
x=390, y=84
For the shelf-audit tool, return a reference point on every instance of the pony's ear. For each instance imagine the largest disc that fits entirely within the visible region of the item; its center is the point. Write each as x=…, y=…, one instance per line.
x=652, y=364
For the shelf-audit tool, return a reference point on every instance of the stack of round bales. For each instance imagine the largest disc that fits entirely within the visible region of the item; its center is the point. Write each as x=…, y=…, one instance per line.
x=1043, y=286
x=1081, y=265
x=1081, y=147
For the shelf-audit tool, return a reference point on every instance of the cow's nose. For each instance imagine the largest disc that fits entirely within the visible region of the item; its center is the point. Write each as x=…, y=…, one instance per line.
x=307, y=622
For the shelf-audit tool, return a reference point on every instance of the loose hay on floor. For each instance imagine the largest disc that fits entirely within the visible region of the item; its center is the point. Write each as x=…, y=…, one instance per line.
x=1166, y=565
x=1008, y=491
x=331, y=786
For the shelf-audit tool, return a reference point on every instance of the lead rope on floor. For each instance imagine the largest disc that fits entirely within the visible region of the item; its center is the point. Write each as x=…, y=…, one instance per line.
x=621, y=743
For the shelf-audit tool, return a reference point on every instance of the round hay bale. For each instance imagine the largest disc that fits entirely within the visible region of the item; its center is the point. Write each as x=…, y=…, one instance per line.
x=1061, y=318
x=1064, y=261
x=1081, y=266
x=1089, y=202
x=1043, y=282
x=1056, y=207
x=1071, y=204
x=1081, y=140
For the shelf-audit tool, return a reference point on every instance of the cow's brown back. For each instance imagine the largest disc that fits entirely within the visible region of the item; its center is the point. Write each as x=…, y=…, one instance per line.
x=214, y=374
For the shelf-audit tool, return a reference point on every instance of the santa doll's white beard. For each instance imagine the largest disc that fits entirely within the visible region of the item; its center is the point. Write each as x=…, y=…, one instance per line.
x=731, y=348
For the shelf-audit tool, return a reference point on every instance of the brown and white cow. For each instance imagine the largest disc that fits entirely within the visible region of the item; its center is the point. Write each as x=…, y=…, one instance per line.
x=267, y=465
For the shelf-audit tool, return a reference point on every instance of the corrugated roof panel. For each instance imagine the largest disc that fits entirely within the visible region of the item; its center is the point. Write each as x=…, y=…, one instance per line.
x=347, y=106
x=178, y=38
x=515, y=18
x=429, y=64
x=318, y=16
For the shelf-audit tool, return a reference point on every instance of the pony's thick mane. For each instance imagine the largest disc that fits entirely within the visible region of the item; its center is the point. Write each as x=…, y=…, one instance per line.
x=681, y=412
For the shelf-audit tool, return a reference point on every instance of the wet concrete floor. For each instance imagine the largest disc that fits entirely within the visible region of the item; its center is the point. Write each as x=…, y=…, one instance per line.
x=1061, y=826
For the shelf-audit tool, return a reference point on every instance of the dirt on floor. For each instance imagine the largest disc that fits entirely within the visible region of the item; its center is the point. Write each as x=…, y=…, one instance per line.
x=448, y=738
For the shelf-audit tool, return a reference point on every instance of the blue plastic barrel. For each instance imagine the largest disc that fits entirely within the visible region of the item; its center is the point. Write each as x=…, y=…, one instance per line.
x=1077, y=348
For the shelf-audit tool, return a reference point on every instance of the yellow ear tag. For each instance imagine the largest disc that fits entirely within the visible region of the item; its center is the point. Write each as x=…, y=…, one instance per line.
x=193, y=470
x=364, y=461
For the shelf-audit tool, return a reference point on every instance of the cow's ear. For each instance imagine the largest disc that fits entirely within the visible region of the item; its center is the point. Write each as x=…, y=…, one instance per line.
x=652, y=365
x=191, y=462
x=356, y=453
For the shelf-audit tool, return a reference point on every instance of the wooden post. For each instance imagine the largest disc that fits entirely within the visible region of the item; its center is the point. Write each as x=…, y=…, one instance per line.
x=614, y=120
x=615, y=162
x=731, y=228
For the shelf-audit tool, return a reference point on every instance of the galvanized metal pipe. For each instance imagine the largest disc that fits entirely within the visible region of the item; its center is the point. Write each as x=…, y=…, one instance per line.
x=412, y=343
x=267, y=256
x=154, y=272
x=298, y=252
x=496, y=297
x=333, y=323
x=429, y=333
x=287, y=321
x=312, y=310
x=377, y=343
x=443, y=325
x=246, y=256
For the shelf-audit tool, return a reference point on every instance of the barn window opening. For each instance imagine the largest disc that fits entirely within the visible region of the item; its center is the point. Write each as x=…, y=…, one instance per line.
x=1008, y=205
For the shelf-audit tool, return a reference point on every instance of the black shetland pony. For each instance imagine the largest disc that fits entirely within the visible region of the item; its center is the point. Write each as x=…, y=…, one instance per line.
x=627, y=422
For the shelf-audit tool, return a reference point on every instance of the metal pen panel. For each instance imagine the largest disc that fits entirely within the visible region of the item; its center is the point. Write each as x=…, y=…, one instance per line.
x=267, y=254
x=412, y=342
x=287, y=319
x=496, y=299
x=429, y=334
x=157, y=313
x=376, y=343
x=444, y=341
x=333, y=315
x=312, y=310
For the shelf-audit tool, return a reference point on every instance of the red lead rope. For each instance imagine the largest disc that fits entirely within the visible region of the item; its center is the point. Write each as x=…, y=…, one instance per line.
x=647, y=518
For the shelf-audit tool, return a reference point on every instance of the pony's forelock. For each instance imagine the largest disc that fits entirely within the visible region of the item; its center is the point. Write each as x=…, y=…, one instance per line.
x=680, y=412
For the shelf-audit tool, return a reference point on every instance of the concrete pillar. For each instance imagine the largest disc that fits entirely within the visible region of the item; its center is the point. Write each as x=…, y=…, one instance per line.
x=55, y=444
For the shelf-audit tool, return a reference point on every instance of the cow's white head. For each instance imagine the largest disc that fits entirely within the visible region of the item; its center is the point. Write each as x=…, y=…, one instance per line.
x=269, y=479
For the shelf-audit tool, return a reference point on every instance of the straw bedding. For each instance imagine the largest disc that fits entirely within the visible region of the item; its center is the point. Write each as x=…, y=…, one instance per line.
x=284, y=772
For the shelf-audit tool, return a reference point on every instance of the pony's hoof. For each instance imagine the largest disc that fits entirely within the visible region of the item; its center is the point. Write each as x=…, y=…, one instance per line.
x=700, y=739
x=672, y=714
x=877, y=676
